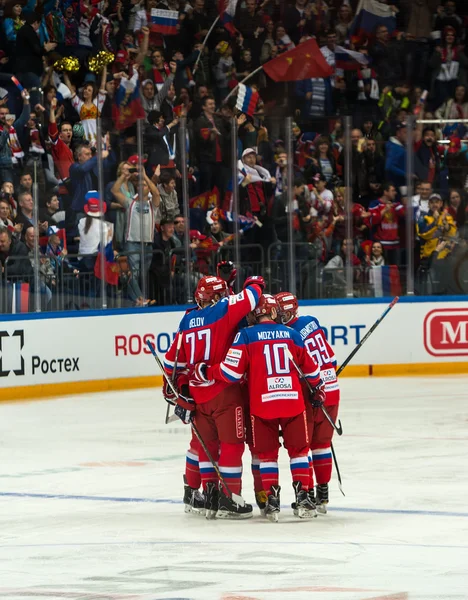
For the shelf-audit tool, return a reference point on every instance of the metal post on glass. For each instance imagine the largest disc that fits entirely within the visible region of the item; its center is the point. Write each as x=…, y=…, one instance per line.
x=348, y=177
x=102, y=226
x=290, y=192
x=409, y=206
x=141, y=207
x=37, y=258
x=185, y=202
x=235, y=194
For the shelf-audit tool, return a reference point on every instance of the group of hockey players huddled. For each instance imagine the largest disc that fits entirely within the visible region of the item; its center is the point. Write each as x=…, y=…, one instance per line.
x=234, y=366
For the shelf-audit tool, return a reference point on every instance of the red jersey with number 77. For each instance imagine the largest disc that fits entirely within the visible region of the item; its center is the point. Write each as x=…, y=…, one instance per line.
x=315, y=341
x=263, y=353
x=207, y=334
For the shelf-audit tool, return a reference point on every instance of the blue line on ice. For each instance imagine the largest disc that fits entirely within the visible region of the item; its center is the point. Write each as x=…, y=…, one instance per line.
x=385, y=511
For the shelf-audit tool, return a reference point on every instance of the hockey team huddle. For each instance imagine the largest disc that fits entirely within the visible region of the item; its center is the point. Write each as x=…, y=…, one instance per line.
x=247, y=369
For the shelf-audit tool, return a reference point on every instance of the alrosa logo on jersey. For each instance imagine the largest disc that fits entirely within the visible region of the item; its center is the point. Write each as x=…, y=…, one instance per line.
x=328, y=375
x=279, y=383
x=446, y=332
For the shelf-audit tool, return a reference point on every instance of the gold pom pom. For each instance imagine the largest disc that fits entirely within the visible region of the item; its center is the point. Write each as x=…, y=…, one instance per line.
x=97, y=63
x=68, y=63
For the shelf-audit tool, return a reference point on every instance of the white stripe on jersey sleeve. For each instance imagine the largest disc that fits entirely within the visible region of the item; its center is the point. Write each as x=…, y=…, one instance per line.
x=230, y=374
x=251, y=297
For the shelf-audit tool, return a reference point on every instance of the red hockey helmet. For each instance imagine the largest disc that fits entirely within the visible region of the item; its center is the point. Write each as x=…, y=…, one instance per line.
x=287, y=303
x=209, y=287
x=266, y=305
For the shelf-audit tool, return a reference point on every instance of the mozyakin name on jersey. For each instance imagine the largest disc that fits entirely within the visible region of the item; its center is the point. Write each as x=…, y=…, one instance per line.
x=273, y=335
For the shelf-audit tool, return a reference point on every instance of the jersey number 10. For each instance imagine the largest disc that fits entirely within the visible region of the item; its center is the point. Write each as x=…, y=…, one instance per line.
x=280, y=363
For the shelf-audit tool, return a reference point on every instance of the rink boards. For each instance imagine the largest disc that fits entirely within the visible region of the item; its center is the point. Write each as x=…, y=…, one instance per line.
x=58, y=353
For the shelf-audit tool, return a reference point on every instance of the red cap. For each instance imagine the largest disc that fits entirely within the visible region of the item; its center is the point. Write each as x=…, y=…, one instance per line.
x=121, y=56
x=135, y=159
x=195, y=234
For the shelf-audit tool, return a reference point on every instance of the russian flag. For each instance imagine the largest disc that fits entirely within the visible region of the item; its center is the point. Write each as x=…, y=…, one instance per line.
x=369, y=15
x=385, y=281
x=227, y=10
x=164, y=21
x=348, y=60
x=247, y=99
x=126, y=106
x=20, y=298
x=111, y=268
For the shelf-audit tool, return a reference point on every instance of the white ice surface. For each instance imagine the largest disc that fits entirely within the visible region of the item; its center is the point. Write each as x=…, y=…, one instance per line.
x=399, y=534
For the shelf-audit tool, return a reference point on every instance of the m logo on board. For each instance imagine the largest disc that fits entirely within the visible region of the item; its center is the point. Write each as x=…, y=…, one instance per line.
x=446, y=332
x=11, y=359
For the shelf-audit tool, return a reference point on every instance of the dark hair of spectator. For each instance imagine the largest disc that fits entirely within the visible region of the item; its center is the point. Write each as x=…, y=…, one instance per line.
x=93, y=85
x=88, y=223
x=166, y=222
x=387, y=185
x=8, y=13
x=166, y=177
x=429, y=128
x=298, y=182
x=25, y=173
x=205, y=100
x=8, y=233
x=154, y=116
x=64, y=123
x=49, y=197
x=32, y=18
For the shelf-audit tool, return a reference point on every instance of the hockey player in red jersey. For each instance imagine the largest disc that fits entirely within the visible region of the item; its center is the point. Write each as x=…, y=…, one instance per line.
x=276, y=399
x=193, y=500
x=216, y=407
x=318, y=347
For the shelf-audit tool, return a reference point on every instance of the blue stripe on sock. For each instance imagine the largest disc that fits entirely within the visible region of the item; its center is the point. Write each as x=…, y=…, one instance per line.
x=191, y=461
x=269, y=470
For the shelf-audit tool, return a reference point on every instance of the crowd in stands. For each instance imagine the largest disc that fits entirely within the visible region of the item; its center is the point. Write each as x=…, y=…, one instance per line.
x=67, y=66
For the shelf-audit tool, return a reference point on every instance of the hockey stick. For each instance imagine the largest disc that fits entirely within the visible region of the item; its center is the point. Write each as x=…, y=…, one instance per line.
x=371, y=330
x=237, y=499
x=179, y=344
x=338, y=427
x=160, y=365
x=337, y=469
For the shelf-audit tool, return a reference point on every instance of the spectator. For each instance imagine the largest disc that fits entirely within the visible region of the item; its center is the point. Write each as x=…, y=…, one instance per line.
x=385, y=217
x=427, y=158
x=169, y=207
x=16, y=253
x=456, y=208
x=81, y=172
x=421, y=200
x=29, y=53
x=448, y=67
x=10, y=149
x=51, y=214
x=395, y=163
x=89, y=107
x=160, y=140
x=5, y=221
x=162, y=267
x=387, y=55
x=141, y=219
x=210, y=130
x=456, y=107
x=60, y=138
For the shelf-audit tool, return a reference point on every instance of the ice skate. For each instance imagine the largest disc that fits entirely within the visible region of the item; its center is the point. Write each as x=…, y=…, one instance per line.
x=272, y=508
x=322, y=498
x=311, y=498
x=228, y=509
x=262, y=499
x=304, y=506
x=211, y=500
x=194, y=502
